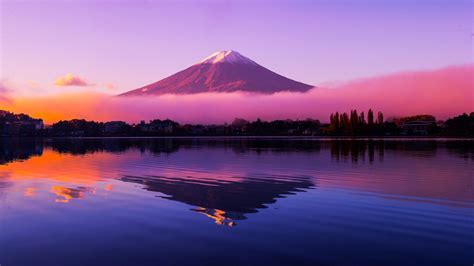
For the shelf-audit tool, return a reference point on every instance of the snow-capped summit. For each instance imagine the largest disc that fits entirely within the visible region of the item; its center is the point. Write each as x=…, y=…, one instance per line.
x=223, y=71
x=229, y=56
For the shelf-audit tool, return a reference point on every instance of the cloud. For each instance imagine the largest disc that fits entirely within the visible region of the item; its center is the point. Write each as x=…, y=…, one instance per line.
x=3, y=88
x=4, y=92
x=10, y=89
x=110, y=86
x=71, y=80
x=443, y=93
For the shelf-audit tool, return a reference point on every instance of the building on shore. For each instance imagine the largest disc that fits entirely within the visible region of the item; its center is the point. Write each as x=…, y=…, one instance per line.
x=417, y=127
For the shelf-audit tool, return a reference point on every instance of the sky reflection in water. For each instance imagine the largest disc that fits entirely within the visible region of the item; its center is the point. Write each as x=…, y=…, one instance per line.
x=288, y=202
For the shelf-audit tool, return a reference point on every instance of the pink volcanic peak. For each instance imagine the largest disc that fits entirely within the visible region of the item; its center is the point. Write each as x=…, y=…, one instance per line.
x=223, y=71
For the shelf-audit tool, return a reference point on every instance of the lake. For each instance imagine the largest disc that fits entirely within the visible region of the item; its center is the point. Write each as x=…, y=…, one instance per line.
x=217, y=201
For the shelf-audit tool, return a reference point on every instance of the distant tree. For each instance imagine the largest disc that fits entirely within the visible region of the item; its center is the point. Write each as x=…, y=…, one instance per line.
x=77, y=127
x=239, y=122
x=334, y=124
x=337, y=122
x=462, y=125
x=362, y=118
x=346, y=124
x=354, y=122
x=424, y=117
x=380, y=118
x=370, y=117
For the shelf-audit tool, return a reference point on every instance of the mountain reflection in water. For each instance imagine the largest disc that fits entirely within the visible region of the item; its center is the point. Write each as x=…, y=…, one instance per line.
x=224, y=202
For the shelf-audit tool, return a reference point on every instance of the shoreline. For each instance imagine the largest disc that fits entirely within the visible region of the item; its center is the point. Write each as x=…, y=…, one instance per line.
x=323, y=138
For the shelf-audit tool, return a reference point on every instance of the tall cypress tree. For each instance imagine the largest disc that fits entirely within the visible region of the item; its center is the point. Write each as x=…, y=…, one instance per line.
x=346, y=124
x=370, y=117
x=354, y=122
x=380, y=118
x=362, y=118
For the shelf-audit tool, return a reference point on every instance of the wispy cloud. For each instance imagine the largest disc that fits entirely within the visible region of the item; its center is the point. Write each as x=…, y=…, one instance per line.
x=71, y=80
x=4, y=91
x=3, y=88
x=110, y=86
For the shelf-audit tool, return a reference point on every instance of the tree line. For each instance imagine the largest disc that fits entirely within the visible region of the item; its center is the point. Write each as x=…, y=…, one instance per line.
x=340, y=124
x=354, y=123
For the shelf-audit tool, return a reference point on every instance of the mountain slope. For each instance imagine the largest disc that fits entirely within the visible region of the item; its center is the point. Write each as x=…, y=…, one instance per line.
x=225, y=71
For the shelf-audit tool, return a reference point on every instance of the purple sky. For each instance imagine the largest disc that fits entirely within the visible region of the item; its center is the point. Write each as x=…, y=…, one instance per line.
x=132, y=43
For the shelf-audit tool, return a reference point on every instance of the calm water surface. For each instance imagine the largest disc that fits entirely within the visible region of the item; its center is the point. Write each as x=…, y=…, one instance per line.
x=236, y=202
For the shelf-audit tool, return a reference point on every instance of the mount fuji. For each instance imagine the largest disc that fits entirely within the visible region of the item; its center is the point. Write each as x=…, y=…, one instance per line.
x=223, y=71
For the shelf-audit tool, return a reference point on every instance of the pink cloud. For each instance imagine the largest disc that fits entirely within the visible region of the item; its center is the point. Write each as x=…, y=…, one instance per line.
x=110, y=86
x=4, y=92
x=444, y=93
x=71, y=80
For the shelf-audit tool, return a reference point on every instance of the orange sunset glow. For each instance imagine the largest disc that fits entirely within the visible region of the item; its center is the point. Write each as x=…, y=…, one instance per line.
x=399, y=94
x=262, y=132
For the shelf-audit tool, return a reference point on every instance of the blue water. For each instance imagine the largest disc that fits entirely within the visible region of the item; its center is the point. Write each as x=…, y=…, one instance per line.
x=236, y=202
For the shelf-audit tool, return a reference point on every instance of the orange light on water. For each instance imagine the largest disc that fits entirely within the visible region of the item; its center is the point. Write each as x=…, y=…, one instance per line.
x=29, y=192
x=108, y=187
x=65, y=194
x=217, y=215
